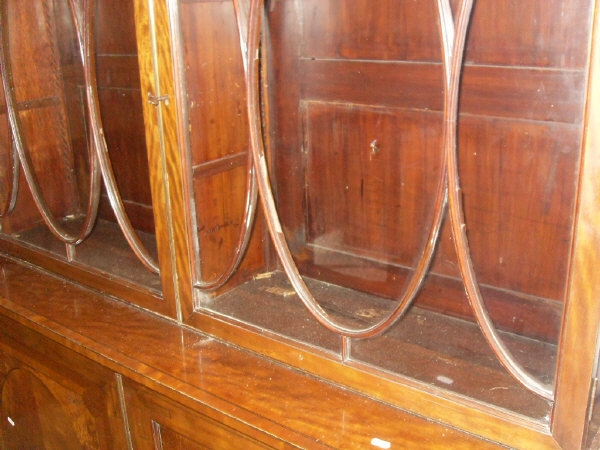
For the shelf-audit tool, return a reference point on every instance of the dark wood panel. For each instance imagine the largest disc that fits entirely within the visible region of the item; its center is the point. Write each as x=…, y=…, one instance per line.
x=32, y=41
x=269, y=304
x=54, y=397
x=548, y=95
x=544, y=33
x=115, y=28
x=428, y=347
x=51, y=157
x=388, y=30
x=168, y=425
x=121, y=100
x=169, y=439
x=140, y=215
x=521, y=93
x=453, y=355
x=502, y=33
x=93, y=271
x=518, y=183
x=520, y=130
x=513, y=311
x=284, y=126
x=218, y=138
x=33, y=417
x=125, y=137
x=219, y=165
x=106, y=251
x=118, y=72
x=214, y=77
x=371, y=179
x=25, y=214
x=220, y=203
x=41, y=71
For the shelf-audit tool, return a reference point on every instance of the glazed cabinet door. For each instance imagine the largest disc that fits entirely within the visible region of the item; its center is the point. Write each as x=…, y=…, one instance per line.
x=81, y=159
x=427, y=173
x=53, y=398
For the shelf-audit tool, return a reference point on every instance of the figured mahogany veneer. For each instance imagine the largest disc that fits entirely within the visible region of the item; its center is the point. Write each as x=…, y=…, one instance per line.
x=358, y=108
x=179, y=376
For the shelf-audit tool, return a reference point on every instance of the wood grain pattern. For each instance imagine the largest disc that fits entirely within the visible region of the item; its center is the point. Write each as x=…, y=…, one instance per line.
x=52, y=257
x=169, y=425
x=217, y=131
x=214, y=74
x=209, y=377
x=41, y=72
x=120, y=102
x=360, y=75
x=55, y=397
x=406, y=393
x=427, y=346
x=502, y=33
x=164, y=158
x=580, y=323
x=533, y=94
x=38, y=417
x=354, y=101
x=120, y=98
x=220, y=203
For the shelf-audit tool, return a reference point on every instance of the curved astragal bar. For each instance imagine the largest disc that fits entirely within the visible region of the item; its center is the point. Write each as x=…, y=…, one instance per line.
x=23, y=155
x=453, y=66
x=274, y=225
x=13, y=185
x=87, y=33
x=13, y=189
x=251, y=187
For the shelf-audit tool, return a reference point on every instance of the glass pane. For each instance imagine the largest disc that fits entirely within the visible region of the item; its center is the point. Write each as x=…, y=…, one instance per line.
x=352, y=99
x=47, y=72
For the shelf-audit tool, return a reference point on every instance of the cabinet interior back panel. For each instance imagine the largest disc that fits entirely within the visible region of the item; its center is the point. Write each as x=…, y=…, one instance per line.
x=357, y=98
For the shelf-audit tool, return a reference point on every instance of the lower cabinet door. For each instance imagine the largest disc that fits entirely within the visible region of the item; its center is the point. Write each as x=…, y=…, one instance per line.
x=54, y=398
x=157, y=422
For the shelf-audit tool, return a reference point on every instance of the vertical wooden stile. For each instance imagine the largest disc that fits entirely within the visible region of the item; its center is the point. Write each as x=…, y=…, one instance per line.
x=164, y=158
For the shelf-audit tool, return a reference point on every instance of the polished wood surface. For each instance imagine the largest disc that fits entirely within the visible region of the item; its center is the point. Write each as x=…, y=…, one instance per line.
x=39, y=247
x=440, y=351
x=164, y=156
x=580, y=324
x=157, y=422
x=28, y=406
x=350, y=102
x=54, y=397
x=204, y=375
